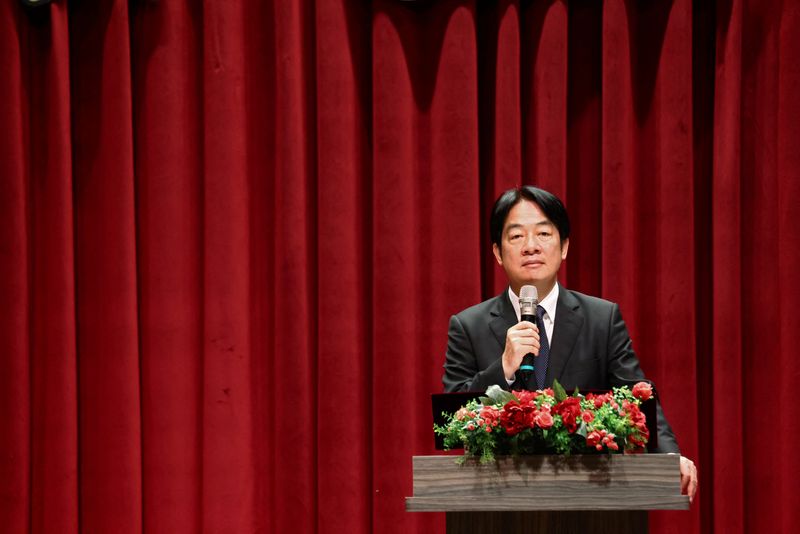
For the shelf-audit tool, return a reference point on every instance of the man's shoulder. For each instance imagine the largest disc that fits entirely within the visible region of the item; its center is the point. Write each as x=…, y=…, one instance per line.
x=590, y=300
x=590, y=304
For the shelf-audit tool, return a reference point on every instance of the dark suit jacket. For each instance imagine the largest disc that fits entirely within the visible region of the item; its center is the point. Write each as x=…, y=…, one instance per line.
x=590, y=349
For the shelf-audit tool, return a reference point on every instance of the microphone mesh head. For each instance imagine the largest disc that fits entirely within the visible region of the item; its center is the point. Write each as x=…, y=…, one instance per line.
x=529, y=292
x=528, y=299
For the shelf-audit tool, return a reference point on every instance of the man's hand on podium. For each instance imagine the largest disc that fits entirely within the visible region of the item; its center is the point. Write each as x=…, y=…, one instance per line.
x=688, y=478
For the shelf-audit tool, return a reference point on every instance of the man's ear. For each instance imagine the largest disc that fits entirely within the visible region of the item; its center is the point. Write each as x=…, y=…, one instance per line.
x=497, y=254
x=564, y=249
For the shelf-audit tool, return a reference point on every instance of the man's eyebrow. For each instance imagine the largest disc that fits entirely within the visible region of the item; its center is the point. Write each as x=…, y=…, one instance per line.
x=514, y=226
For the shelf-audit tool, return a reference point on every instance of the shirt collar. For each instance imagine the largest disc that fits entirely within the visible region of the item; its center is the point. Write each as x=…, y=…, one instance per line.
x=549, y=303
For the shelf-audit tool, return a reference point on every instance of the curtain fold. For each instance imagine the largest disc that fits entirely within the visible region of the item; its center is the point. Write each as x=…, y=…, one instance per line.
x=727, y=300
x=106, y=301
x=231, y=237
x=15, y=379
x=168, y=159
x=343, y=248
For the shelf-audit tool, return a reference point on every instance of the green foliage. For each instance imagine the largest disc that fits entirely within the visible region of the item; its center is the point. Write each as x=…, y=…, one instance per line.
x=558, y=389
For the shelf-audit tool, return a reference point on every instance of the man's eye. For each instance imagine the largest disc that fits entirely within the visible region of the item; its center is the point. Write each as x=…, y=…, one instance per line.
x=513, y=237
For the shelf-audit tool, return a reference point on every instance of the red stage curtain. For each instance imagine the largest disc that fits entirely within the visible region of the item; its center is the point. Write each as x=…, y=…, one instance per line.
x=231, y=236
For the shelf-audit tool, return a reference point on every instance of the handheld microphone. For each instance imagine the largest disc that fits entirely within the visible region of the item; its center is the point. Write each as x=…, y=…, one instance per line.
x=528, y=300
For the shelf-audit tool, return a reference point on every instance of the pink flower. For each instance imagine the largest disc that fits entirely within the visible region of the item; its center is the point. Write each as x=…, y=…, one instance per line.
x=544, y=419
x=490, y=416
x=587, y=416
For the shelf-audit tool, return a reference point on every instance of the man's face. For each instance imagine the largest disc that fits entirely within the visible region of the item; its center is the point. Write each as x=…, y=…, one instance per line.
x=531, y=249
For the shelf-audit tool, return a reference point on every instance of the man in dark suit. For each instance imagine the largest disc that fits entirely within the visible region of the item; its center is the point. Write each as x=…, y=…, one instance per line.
x=585, y=342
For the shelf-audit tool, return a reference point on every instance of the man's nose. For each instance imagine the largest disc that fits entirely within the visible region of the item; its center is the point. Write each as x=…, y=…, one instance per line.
x=531, y=244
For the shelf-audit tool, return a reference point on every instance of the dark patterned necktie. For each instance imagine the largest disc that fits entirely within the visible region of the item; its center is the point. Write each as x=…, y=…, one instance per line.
x=544, y=349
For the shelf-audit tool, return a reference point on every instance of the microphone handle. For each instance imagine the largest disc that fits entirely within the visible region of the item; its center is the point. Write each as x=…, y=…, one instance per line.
x=527, y=366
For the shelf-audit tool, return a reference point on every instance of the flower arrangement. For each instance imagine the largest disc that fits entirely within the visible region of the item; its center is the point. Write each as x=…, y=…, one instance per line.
x=549, y=421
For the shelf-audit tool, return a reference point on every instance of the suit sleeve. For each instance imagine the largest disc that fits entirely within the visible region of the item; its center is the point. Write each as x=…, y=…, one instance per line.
x=461, y=372
x=624, y=369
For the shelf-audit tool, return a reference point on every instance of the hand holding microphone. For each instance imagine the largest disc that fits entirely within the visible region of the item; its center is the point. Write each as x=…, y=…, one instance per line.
x=522, y=339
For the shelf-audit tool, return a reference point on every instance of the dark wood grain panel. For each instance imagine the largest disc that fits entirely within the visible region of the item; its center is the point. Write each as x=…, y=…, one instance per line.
x=592, y=482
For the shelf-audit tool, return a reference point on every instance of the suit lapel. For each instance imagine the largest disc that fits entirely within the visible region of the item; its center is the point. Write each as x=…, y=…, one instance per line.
x=503, y=317
x=568, y=324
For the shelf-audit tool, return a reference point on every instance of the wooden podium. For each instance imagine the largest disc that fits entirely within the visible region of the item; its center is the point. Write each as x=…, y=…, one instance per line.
x=553, y=494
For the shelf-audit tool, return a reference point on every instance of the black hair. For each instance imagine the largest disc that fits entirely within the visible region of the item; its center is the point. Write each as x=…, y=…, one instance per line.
x=550, y=205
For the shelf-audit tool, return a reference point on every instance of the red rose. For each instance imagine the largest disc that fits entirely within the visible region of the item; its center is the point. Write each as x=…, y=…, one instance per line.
x=608, y=441
x=524, y=396
x=569, y=409
x=636, y=441
x=593, y=440
x=490, y=413
x=587, y=416
x=642, y=391
x=637, y=417
x=630, y=408
x=599, y=400
x=516, y=417
x=512, y=418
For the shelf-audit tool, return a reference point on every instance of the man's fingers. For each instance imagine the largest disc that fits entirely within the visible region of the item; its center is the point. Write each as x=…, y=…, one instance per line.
x=527, y=332
x=688, y=478
x=689, y=485
x=526, y=345
x=522, y=339
x=526, y=341
x=524, y=326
